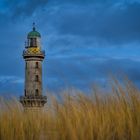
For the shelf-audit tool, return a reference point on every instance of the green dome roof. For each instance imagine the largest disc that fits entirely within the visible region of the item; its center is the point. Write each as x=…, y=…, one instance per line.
x=34, y=33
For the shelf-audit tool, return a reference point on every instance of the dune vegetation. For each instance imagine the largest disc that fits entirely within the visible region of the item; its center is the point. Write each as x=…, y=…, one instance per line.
x=98, y=116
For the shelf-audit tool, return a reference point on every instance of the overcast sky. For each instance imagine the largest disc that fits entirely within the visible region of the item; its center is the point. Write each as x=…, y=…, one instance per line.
x=85, y=41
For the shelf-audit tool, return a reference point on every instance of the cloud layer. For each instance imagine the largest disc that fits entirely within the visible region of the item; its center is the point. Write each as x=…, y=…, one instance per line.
x=85, y=40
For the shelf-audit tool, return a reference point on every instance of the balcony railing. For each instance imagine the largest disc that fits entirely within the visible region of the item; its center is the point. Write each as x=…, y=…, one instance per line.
x=33, y=97
x=33, y=101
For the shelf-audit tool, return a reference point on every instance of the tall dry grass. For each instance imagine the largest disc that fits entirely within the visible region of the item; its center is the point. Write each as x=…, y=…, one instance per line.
x=114, y=116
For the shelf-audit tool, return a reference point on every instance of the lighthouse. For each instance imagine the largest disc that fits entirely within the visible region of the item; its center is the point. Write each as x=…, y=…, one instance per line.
x=33, y=56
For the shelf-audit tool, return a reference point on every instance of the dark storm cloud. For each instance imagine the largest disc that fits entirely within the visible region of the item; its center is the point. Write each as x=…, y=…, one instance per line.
x=78, y=36
x=112, y=21
x=84, y=72
x=113, y=24
x=92, y=1
x=23, y=8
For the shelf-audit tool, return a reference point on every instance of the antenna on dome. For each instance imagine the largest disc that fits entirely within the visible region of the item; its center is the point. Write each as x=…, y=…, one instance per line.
x=33, y=26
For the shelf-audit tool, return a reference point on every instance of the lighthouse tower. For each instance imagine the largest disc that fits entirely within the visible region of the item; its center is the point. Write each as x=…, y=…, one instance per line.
x=33, y=56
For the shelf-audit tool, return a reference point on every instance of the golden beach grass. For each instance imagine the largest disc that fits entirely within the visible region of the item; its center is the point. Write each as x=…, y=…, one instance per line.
x=113, y=116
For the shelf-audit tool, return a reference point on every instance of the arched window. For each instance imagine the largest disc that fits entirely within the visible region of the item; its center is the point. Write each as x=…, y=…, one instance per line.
x=31, y=42
x=36, y=78
x=36, y=65
x=36, y=92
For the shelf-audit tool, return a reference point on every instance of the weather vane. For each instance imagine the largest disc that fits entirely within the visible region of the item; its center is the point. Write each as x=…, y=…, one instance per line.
x=33, y=26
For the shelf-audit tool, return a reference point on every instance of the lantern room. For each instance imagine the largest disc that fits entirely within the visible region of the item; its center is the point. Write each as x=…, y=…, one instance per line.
x=33, y=38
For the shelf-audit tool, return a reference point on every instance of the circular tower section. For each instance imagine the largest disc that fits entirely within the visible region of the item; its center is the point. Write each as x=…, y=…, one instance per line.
x=33, y=56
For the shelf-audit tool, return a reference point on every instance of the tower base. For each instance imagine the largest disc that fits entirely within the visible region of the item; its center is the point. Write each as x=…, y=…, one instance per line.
x=33, y=102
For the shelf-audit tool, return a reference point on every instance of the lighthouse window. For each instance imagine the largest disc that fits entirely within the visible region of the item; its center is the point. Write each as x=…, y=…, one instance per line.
x=31, y=42
x=36, y=92
x=36, y=78
x=36, y=65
